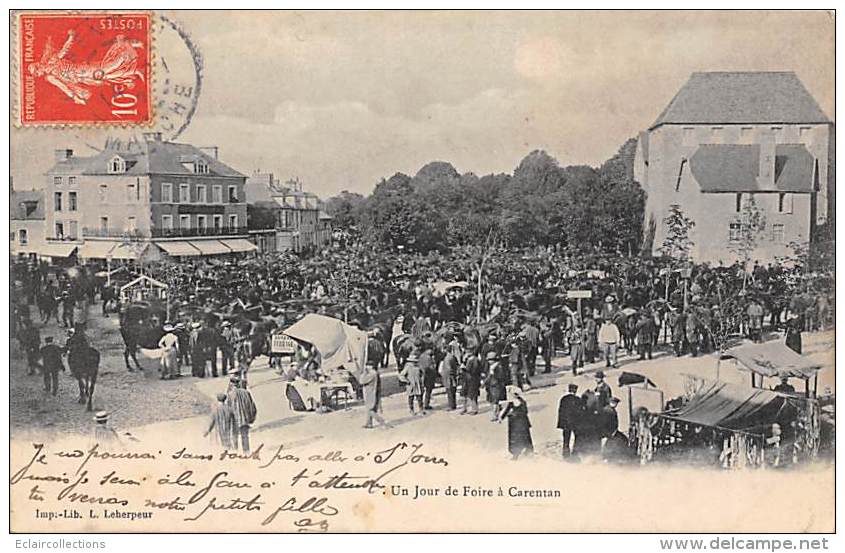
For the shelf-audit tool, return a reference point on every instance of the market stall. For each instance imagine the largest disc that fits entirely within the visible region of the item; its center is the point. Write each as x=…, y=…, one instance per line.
x=777, y=361
x=732, y=425
x=341, y=357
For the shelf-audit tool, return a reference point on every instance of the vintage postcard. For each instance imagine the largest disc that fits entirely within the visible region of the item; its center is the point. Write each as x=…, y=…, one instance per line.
x=422, y=271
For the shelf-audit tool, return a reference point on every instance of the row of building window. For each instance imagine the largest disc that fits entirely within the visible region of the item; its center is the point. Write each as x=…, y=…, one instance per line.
x=777, y=236
x=59, y=181
x=72, y=201
x=202, y=222
x=746, y=135
x=133, y=194
x=200, y=194
x=784, y=202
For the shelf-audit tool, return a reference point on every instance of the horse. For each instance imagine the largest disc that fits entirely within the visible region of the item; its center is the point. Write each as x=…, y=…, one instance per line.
x=381, y=326
x=84, y=364
x=136, y=332
x=403, y=346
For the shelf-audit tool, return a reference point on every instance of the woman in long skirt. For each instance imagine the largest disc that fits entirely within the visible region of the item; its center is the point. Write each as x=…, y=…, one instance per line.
x=519, y=427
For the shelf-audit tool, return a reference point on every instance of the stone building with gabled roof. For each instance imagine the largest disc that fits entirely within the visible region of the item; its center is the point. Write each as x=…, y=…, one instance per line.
x=147, y=198
x=26, y=221
x=301, y=222
x=727, y=137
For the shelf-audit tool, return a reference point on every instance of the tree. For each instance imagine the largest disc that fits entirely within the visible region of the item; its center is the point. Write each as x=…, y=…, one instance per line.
x=345, y=209
x=728, y=317
x=752, y=224
x=261, y=215
x=395, y=216
x=677, y=243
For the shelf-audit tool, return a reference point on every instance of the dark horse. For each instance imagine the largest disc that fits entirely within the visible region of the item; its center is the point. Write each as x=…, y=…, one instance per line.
x=137, y=331
x=84, y=364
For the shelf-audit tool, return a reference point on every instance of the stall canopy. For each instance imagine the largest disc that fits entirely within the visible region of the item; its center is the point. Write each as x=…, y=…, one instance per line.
x=773, y=359
x=210, y=247
x=338, y=343
x=731, y=407
x=57, y=250
x=239, y=245
x=440, y=288
x=178, y=248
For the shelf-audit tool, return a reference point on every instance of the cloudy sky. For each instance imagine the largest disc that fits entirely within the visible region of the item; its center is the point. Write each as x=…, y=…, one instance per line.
x=343, y=99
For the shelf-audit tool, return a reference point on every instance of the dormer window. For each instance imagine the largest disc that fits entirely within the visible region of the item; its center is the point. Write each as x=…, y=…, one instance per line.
x=201, y=167
x=117, y=165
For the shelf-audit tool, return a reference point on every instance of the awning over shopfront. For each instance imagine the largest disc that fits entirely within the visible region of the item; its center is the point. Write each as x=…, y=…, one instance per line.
x=57, y=250
x=210, y=247
x=96, y=249
x=178, y=248
x=240, y=245
x=129, y=251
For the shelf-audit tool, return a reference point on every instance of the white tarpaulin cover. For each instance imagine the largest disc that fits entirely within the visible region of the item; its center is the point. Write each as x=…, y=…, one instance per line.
x=338, y=343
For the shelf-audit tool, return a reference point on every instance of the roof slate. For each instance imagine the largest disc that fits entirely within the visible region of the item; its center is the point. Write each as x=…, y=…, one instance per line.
x=736, y=167
x=17, y=205
x=742, y=97
x=147, y=158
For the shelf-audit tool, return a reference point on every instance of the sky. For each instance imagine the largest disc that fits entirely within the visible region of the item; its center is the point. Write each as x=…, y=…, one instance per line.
x=343, y=99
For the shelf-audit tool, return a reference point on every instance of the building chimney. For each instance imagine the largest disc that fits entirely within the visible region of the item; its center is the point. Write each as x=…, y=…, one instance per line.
x=63, y=155
x=210, y=151
x=152, y=136
x=766, y=172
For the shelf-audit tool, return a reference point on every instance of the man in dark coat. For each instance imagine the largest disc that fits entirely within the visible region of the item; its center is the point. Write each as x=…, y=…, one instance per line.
x=516, y=364
x=449, y=376
x=496, y=381
x=570, y=411
x=471, y=383
x=608, y=418
x=429, y=370
x=208, y=340
x=677, y=325
x=602, y=390
x=51, y=355
x=793, y=334
x=646, y=331
x=30, y=342
x=531, y=341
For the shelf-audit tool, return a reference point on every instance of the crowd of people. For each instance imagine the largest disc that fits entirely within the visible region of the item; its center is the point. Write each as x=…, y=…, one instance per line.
x=476, y=321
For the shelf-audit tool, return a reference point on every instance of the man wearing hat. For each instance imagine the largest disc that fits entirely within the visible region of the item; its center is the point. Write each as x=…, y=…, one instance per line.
x=602, y=390
x=51, y=356
x=170, y=356
x=227, y=347
x=576, y=345
x=570, y=412
x=471, y=383
x=496, y=377
x=413, y=378
x=184, y=337
x=223, y=420
x=197, y=358
x=609, y=341
x=244, y=411
x=608, y=418
x=428, y=368
x=103, y=433
x=449, y=374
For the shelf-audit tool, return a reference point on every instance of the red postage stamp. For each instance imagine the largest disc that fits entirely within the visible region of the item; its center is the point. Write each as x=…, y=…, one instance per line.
x=84, y=68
